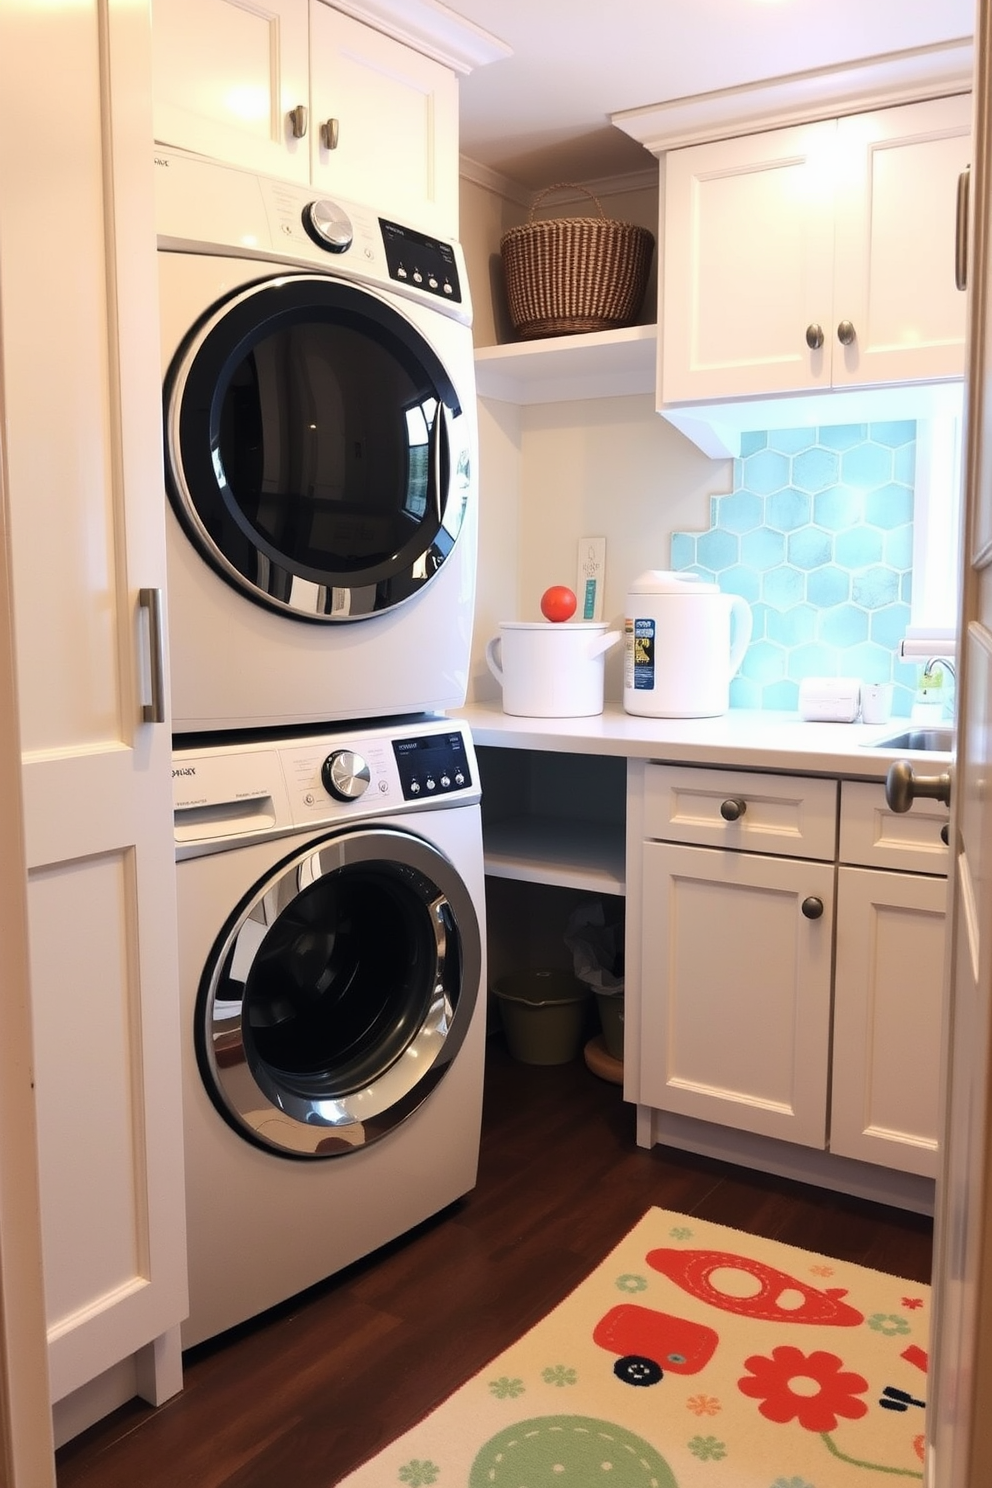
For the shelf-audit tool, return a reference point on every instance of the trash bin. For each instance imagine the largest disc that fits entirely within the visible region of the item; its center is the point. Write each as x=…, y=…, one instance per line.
x=543, y=1014
x=596, y=943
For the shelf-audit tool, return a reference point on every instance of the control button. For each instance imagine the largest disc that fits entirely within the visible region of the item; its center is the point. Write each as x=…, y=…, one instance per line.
x=431, y=783
x=432, y=282
x=459, y=778
x=328, y=225
x=415, y=787
x=384, y=787
x=401, y=273
x=309, y=798
x=418, y=277
x=445, y=782
x=448, y=289
x=345, y=775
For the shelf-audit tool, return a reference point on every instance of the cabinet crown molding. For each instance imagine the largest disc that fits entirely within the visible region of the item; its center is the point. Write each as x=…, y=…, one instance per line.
x=431, y=28
x=802, y=97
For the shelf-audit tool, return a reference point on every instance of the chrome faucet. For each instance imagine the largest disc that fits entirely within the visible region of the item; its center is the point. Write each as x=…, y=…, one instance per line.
x=945, y=665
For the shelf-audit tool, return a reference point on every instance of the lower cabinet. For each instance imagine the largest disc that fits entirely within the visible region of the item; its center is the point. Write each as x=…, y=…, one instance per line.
x=789, y=959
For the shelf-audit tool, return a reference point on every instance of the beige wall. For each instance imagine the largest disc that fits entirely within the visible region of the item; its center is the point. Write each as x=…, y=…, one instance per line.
x=553, y=473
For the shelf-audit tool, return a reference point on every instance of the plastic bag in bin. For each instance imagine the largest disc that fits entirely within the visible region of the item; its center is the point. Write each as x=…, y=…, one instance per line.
x=596, y=944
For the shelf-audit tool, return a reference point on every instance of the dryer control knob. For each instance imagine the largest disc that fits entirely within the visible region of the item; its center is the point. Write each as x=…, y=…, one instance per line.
x=328, y=225
x=345, y=775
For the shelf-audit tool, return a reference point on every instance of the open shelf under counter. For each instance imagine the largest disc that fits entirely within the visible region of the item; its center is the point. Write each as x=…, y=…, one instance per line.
x=546, y=849
x=562, y=369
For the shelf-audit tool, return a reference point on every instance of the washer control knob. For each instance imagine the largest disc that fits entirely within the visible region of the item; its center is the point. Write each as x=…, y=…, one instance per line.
x=345, y=775
x=328, y=225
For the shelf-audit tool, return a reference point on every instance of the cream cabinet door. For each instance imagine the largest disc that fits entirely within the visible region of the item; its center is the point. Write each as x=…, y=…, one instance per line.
x=385, y=123
x=887, y=1018
x=895, y=191
x=748, y=264
x=815, y=257
x=735, y=996
x=227, y=78
x=81, y=429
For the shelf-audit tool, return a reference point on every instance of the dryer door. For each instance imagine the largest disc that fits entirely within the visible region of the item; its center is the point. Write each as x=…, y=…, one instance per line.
x=316, y=451
x=339, y=993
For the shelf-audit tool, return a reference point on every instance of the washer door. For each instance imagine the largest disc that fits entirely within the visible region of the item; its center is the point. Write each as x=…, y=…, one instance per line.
x=316, y=453
x=339, y=992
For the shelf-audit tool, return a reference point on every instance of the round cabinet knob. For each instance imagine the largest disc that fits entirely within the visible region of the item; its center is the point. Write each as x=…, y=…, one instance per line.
x=345, y=775
x=812, y=907
x=846, y=333
x=733, y=809
x=328, y=225
x=814, y=336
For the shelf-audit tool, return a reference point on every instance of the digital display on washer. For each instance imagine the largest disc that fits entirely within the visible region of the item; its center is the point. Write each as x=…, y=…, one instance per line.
x=431, y=765
x=427, y=263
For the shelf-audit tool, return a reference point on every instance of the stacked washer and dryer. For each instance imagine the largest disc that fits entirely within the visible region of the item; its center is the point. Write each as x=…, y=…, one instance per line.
x=320, y=433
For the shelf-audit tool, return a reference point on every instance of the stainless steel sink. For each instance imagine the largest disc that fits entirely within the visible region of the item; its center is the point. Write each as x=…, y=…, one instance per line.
x=938, y=738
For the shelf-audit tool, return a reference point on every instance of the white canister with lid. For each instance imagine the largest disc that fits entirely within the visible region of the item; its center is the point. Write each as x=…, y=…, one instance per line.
x=550, y=670
x=684, y=640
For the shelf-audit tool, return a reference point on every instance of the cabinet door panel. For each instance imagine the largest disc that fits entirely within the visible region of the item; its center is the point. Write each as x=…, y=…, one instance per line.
x=397, y=116
x=895, y=196
x=227, y=75
x=736, y=990
x=748, y=263
x=887, y=1018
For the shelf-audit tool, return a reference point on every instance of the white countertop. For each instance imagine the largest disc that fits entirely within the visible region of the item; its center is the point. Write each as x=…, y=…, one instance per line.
x=753, y=739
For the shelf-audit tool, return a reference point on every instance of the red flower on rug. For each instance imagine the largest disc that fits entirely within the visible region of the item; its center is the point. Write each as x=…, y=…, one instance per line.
x=771, y=1382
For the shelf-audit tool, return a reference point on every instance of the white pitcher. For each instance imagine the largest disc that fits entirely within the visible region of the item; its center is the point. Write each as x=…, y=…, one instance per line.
x=548, y=670
x=679, y=657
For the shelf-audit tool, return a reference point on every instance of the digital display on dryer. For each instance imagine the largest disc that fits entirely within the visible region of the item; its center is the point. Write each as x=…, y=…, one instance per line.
x=432, y=765
x=426, y=263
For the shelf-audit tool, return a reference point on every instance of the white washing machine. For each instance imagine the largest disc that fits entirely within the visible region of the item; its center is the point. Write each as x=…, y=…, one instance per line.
x=332, y=955
x=320, y=454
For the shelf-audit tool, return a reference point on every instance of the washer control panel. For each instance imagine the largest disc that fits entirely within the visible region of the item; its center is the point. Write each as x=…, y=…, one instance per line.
x=269, y=786
x=426, y=263
x=432, y=765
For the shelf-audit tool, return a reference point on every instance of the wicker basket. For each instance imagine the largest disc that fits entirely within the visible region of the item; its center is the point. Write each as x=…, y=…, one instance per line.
x=573, y=274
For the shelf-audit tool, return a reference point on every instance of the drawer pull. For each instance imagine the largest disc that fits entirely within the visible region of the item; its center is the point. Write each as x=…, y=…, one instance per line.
x=733, y=808
x=812, y=907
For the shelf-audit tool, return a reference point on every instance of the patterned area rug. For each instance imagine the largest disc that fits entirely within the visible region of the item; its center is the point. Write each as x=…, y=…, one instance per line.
x=694, y=1356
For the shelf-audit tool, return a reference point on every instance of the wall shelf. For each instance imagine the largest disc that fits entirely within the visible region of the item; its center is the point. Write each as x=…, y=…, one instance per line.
x=562, y=369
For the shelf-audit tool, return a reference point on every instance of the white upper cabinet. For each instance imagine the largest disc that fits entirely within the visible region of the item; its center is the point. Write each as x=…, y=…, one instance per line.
x=229, y=78
x=385, y=123
x=815, y=257
x=301, y=91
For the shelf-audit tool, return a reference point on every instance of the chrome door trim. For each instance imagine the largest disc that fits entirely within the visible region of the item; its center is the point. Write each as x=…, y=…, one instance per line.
x=292, y=1122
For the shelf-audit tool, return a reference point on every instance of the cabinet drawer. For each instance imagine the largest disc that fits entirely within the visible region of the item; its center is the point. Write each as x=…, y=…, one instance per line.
x=872, y=835
x=792, y=815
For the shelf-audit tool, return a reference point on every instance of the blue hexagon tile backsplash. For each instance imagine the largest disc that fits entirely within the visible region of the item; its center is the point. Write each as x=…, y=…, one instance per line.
x=817, y=535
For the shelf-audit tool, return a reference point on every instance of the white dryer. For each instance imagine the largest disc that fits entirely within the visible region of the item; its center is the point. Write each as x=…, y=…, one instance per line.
x=332, y=953
x=320, y=454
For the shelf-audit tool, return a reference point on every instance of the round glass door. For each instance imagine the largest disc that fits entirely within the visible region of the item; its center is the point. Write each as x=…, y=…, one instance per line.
x=339, y=993
x=316, y=453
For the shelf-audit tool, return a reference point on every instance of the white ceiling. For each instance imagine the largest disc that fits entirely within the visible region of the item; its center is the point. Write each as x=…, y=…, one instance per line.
x=543, y=114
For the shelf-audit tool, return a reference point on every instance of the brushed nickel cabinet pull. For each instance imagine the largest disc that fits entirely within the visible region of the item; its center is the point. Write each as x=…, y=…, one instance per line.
x=298, y=118
x=814, y=336
x=329, y=134
x=961, y=230
x=845, y=333
x=733, y=808
x=812, y=907
x=150, y=600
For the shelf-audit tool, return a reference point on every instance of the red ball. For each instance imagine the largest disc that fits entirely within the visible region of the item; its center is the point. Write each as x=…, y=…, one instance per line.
x=558, y=603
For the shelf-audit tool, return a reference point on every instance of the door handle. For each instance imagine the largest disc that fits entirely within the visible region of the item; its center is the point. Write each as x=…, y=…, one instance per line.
x=150, y=600
x=961, y=230
x=903, y=786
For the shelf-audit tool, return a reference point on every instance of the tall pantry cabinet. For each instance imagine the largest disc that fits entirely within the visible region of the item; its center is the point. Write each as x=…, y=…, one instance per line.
x=84, y=543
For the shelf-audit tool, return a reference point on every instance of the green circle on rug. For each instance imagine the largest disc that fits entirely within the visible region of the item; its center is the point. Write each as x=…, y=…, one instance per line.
x=569, y=1452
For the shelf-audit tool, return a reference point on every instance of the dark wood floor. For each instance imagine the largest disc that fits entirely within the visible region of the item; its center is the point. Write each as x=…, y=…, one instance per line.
x=320, y=1384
